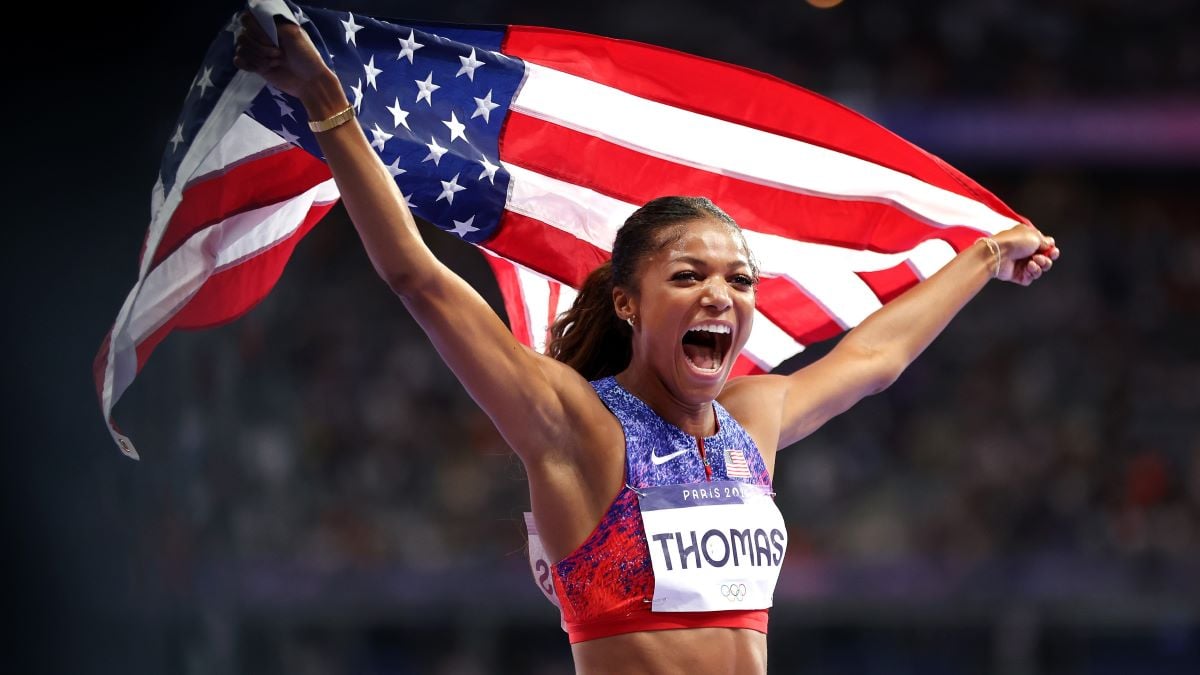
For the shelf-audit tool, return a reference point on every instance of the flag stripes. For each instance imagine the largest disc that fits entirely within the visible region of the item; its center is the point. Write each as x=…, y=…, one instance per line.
x=711, y=144
x=729, y=92
x=549, y=251
x=219, y=272
x=582, y=155
x=632, y=176
x=277, y=176
x=227, y=244
x=826, y=273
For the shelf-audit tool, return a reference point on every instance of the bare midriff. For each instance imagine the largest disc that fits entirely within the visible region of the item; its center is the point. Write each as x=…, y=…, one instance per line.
x=690, y=651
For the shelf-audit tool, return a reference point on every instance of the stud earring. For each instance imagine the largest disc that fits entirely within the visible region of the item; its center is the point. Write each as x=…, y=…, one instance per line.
x=629, y=320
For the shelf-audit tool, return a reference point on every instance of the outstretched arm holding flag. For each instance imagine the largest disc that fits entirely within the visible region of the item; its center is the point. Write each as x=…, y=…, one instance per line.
x=875, y=353
x=535, y=401
x=677, y=570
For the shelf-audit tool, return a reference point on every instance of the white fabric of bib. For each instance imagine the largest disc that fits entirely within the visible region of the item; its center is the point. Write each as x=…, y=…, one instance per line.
x=542, y=568
x=714, y=546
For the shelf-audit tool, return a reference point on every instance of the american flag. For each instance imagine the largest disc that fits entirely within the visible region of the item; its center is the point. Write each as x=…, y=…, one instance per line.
x=735, y=463
x=535, y=144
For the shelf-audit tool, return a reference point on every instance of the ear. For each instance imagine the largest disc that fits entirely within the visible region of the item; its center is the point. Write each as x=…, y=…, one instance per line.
x=624, y=304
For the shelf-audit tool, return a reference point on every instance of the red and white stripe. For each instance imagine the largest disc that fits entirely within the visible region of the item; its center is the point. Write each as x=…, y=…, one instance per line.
x=842, y=214
x=218, y=241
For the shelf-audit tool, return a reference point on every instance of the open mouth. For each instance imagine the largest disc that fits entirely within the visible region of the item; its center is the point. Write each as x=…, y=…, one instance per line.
x=706, y=346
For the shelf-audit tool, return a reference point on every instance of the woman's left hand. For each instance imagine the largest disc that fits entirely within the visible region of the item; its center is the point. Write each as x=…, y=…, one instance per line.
x=1025, y=254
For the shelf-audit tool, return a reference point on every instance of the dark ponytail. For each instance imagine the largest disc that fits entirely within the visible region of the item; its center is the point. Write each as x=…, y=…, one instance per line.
x=589, y=336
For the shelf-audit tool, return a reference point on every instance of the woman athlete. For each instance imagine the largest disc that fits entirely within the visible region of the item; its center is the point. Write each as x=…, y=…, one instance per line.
x=667, y=318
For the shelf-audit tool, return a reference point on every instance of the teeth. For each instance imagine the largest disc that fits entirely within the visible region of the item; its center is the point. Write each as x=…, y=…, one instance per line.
x=711, y=328
x=716, y=366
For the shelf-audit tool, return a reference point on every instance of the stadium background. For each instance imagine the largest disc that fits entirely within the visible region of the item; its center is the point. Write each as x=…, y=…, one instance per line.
x=318, y=495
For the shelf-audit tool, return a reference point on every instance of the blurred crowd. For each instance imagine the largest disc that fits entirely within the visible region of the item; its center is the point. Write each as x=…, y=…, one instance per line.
x=988, y=49
x=1016, y=50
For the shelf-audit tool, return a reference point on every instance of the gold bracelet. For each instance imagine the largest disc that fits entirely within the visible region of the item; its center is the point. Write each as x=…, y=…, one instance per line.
x=995, y=249
x=333, y=121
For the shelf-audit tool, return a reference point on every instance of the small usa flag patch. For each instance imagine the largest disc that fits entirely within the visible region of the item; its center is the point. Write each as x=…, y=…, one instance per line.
x=735, y=464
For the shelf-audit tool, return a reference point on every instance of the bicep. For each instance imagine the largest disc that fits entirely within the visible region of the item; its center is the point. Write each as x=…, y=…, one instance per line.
x=828, y=387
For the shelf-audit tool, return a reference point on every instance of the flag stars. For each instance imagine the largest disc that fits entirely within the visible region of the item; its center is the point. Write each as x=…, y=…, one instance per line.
x=351, y=29
x=449, y=189
x=426, y=88
x=204, y=80
x=408, y=200
x=484, y=107
x=285, y=110
x=399, y=115
x=380, y=137
x=409, y=47
x=394, y=168
x=301, y=17
x=287, y=135
x=435, y=152
x=489, y=170
x=469, y=64
x=456, y=128
x=358, y=96
x=372, y=71
x=464, y=227
x=177, y=138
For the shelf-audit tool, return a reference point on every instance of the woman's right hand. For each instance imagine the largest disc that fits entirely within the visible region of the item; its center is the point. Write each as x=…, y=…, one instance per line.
x=294, y=67
x=1027, y=254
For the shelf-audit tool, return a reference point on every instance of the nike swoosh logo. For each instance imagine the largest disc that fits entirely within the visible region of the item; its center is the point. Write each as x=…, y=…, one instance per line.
x=657, y=460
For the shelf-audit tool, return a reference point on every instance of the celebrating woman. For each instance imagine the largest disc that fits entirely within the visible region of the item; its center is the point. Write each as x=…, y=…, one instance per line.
x=649, y=472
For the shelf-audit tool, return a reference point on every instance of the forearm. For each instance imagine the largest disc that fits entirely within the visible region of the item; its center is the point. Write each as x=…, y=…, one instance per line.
x=897, y=333
x=370, y=195
x=875, y=353
x=499, y=373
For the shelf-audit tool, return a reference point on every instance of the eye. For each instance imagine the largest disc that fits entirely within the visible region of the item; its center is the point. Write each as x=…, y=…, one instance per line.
x=685, y=275
x=743, y=280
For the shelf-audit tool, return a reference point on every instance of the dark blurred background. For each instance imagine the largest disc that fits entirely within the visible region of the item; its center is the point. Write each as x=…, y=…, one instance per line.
x=318, y=495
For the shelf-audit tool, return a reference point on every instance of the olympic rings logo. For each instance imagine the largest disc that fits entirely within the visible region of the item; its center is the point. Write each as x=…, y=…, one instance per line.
x=734, y=592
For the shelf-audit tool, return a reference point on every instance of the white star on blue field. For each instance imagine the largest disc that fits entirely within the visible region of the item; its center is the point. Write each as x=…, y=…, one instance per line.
x=425, y=97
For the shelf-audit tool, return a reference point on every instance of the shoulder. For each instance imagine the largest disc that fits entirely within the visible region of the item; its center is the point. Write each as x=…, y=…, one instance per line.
x=744, y=396
x=756, y=402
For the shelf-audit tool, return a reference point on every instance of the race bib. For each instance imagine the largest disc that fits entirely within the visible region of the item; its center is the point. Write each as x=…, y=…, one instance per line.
x=539, y=562
x=714, y=546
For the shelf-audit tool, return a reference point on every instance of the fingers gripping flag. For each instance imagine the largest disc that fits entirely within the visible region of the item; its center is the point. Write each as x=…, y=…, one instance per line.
x=535, y=144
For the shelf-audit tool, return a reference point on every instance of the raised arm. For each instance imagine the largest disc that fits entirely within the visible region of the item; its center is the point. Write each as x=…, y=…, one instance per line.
x=871, y=356
x=527, y=395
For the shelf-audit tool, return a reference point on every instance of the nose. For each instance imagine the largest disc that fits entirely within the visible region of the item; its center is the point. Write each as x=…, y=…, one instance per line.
x=716, y=296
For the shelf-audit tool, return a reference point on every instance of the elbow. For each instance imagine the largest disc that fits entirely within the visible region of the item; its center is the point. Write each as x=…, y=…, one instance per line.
x=880, y=366
x=884, y=374
x=402, y=283
x=408, y=284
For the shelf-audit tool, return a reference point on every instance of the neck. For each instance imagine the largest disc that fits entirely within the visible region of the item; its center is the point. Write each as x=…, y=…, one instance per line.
x=694, y=418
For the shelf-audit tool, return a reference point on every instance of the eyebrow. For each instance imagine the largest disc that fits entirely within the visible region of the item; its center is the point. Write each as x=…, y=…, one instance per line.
x=691, y=260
